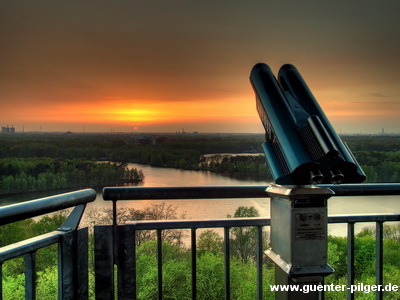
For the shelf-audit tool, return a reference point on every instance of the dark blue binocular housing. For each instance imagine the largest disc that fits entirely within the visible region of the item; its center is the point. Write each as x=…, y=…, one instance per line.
x=301, y=145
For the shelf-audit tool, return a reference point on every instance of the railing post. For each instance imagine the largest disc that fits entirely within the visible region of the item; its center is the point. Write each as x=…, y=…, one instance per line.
x=259, y=259
x=66, y=266
x=104, y=262
x=379, y=259
x=227, y=263
x=82, y=251
x=73, y=265
x=194, y=264
x=30, y=275
x=350, y=259
x=126, y=261
x=160, y=264
x=299, y=238
x=1, y=280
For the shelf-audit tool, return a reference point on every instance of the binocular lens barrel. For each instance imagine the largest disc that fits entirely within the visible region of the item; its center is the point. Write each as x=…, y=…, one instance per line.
x=336, y=177
x=316, y=177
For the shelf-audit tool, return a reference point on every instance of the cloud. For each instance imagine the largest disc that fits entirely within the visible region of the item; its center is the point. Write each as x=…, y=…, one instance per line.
x=378, y=95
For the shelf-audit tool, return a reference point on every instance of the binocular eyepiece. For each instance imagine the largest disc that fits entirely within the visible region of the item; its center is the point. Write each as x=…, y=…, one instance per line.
x=301, y=145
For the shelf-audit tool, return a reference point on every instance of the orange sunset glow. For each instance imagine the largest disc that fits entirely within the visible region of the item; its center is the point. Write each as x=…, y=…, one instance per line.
x=136, y=65
x=137, y=113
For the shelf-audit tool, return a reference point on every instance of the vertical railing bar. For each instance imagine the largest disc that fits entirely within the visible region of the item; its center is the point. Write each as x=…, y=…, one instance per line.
x=114, y=205
x=259, y=258
x=103, y=262
x=350, y=259
x=82, y=263
x=194, y=264
x=1, y=281
x=114, y=246
x=159, y=262
x=134, y=275
x=379, y=259
x=30, y=275
x=114, y=235
x=67, y=251
x=126, y=261
x=227, y=264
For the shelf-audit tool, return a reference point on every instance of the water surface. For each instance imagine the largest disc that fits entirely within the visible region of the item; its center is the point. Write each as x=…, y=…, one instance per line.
x=220, y=208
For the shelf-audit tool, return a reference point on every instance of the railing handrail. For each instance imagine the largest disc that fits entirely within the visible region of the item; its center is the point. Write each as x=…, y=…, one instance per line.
x=21, y=211
x=198, y=224
x=363, y=218
x=223, y=192
x=253, y=221
x=192, y=192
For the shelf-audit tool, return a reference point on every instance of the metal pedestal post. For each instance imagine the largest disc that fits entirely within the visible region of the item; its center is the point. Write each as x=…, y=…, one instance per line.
x=299, y=239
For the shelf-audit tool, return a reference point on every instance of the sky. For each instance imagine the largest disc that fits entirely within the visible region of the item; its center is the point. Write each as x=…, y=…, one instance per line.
x=167, y=66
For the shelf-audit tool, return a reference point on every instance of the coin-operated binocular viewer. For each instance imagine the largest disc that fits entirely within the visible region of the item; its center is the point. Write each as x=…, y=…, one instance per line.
x=302, y=150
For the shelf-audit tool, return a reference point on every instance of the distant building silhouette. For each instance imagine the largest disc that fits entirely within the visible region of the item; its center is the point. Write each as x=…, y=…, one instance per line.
x=8, y=130
x=148, y=139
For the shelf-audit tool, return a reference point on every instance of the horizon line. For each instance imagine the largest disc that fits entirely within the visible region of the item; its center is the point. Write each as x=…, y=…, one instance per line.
x=183, y=133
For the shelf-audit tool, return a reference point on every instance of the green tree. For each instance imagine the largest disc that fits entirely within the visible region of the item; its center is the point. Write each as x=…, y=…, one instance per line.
x=15, y=232
x=210, y=241
x=244, y=239
x=370, y=172
x=210, y=276
x=8, y=184
x=160, y=211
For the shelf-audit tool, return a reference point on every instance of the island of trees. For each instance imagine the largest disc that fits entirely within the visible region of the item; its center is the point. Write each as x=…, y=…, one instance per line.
x=19, y=175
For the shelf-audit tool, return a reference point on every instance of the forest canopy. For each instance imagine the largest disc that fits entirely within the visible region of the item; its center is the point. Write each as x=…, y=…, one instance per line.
x=379, y=157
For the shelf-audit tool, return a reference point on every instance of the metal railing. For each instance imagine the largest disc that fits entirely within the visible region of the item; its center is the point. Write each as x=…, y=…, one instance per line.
x=351, y=221
x=72, y=243
x=126, y=254
x=126, y=261
x=119, y=237
x=115, y=245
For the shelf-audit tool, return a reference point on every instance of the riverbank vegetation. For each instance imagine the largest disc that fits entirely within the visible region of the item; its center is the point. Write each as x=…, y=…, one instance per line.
x=19, y=175
x=239, y=166
x=379, y=156
x=210, y=260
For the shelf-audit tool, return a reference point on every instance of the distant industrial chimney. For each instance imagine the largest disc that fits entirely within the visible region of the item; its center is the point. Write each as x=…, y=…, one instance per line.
x=8, y=130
